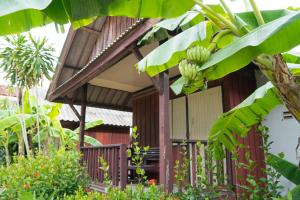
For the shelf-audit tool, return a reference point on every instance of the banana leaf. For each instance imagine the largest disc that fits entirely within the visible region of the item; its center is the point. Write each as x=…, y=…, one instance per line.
x=295, y=193
x=172, y=51
x=184, y=21
x=160, y=59
x=240, y=119
x=278, y=36
x=287, y=169
x=90, y=125
x=75, y=136
x=19, y=16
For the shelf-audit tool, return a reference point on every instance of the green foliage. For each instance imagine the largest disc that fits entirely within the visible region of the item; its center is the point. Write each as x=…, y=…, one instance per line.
x=182, y=168
x=175, y=49
x=285, y=168
x=56, y=174
x=266, y=187
x=19, y=17
x=104, y=167
x=160, y=30
x=133, y=193
x=208, y=176
x=26, y=60
x=137, y=157
x=241, y=118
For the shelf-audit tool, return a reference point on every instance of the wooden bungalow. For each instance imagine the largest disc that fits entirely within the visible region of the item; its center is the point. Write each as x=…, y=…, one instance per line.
x=96, y=68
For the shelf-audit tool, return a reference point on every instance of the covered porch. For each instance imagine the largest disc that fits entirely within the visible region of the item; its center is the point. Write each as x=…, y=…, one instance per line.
x=97, y=69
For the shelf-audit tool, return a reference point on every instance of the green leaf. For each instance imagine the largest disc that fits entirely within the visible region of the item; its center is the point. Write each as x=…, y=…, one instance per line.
x=268, y=15
x=19, y=16
x=90, y=125
x=240, y=119
x=26, y=103
x=296, y=193
x=75, y=136
x=294, y=69
x=275, y=37
x=55, y=111
x=186, y=20
x=171, y=52
x=287, y=169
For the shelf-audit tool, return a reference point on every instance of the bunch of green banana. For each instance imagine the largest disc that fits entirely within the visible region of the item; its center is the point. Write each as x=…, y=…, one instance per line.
x=198, y=54
x=188, y=70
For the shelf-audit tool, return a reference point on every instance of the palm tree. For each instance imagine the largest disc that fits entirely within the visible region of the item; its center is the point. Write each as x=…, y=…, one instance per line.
x=25, y=62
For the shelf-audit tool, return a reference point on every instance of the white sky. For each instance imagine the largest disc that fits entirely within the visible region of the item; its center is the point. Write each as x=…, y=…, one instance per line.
x=58, y=39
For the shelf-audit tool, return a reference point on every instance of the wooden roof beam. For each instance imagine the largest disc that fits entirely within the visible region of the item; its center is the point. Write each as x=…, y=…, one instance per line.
x=90, y=30
x=140, y=56
x=118, y=51
x=72, y=67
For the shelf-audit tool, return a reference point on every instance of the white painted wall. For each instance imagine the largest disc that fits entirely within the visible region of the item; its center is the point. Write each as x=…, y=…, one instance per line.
x=284, y=133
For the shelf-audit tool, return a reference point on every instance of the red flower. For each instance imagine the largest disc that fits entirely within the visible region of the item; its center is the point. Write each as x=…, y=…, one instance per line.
x=152, y=182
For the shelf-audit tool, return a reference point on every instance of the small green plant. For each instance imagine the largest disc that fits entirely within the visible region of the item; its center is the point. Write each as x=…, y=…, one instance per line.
x=137, y=157
x=205, y=168
x=266, y=187
x=182, y=168
x=105, y=168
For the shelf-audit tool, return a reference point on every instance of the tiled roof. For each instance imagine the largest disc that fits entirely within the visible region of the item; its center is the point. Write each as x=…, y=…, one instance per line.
x=109, y=117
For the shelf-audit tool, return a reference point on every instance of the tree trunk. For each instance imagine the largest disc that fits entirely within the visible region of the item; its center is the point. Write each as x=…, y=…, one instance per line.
x=7, y=157
x=21, y=149
x=285, y=82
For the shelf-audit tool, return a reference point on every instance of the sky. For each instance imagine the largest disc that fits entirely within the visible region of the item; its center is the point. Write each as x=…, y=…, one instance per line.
x=57, y=39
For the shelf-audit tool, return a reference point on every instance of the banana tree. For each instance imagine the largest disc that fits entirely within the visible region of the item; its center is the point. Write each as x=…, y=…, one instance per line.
x=50, y=127
x=225, y=43
x=233, y=41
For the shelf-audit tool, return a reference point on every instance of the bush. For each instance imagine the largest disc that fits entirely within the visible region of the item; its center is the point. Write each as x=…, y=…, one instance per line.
x=138, y=192
x=55, y=175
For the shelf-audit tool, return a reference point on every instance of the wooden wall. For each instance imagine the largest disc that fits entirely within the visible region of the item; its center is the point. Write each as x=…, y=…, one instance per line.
x=236, y=87
x=110, y=134
x=145, y=117
x=104, y=133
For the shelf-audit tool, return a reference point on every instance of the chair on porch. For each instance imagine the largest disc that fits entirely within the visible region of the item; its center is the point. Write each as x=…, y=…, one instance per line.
x=150, y=164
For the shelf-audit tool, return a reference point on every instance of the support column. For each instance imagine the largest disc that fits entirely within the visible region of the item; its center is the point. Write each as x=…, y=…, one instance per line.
x=165, y=146
x=83, y=113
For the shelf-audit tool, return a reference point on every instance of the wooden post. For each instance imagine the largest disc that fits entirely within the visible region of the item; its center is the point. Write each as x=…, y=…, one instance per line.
x=123, y=166
x=165, y=147
x=83, y=112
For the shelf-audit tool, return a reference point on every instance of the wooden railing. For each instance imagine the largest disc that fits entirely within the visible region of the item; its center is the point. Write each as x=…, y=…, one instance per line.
x=192, y=152
x=115, y=156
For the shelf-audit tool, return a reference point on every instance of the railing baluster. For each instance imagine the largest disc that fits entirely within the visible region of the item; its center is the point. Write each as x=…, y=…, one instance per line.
x=123, y=166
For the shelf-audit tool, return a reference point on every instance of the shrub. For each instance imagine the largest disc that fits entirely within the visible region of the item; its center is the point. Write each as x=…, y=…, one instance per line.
x=54, y=175
x=138, y=192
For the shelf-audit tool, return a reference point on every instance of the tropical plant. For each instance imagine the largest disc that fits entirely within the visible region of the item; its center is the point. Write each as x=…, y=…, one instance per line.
x=49, y=176
x=26, y=61
x=267, y=186
x=48, y=123
x=290, y=171
x=137, y=154
x=225, y=43
x=19, y=17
